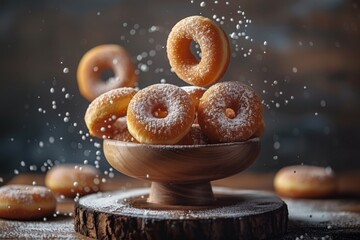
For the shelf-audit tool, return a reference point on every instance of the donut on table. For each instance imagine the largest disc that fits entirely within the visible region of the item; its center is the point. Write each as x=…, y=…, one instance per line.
x=214, y=45
x=105, y=109
x=26, y=202
x=302, y=181
x=100, y=58
x=71, y=179
x=229, y=112
x=176, y=109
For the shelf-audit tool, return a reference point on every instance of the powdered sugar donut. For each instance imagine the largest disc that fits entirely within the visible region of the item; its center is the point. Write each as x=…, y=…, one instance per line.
x=194, y=137
x=26, y=202
x=303, y=181
x=105, y=109
x=71, y=179
x=215, y=51
x=195, y=94
x=220, y=126
x=123, y=132
x=98, y=59
x=160, y=114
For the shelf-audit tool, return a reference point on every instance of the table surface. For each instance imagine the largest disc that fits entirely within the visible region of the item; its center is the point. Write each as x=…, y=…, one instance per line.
x=335, y=218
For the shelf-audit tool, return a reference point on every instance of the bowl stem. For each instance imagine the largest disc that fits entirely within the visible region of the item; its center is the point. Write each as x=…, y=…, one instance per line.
x=192, y=194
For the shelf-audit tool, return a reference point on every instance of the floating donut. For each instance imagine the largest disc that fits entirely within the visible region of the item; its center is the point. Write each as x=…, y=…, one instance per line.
x=71, y=179
x=100, y=58
x=220, y=99
x=176, y=116
x=305, y=182
x=26, y=202
x=214, y=45
x=105, y=109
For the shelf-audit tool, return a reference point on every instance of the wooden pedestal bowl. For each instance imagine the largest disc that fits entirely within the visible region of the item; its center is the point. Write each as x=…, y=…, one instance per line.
x=181, y=203
x=181, y=174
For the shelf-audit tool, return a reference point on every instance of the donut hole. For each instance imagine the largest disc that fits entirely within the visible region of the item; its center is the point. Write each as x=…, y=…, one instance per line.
x=195, y=50
x=159, y=112
x=107, y=75
x=230, y=113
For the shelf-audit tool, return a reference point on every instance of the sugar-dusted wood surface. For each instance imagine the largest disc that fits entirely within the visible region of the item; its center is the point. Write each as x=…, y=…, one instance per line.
x=335, y=218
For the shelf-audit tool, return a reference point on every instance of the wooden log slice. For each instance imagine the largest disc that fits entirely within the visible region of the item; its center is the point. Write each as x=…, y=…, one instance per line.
x=236, y=214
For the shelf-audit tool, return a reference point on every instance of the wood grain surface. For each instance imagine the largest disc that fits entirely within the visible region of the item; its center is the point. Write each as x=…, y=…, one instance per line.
x=236, y=214
x=334, y=218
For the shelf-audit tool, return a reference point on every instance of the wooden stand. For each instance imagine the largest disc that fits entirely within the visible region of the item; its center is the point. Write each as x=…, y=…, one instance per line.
x=234, y=214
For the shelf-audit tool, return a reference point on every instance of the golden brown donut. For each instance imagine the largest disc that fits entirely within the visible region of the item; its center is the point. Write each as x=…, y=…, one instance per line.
x=169, y=127
x=100, y=58
x=260, y=131
x=123, y=132
x=215, y=51
x=71, y=179
x=214, y=118
x=302, y=181
x=195, y=94
x=105, y=109
x=26, y=202
x=194, y=137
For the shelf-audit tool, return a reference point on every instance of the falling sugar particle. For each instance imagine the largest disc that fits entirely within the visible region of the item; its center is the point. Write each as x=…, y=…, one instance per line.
x=52, y=90
x=265, y=43
x=75, y=184
x=41, y=144
x=202, y=4
x=295, y=70
x=67, y=96
x=16, y=172
x=316, y=114
x=98, y=13
x=22, y=163
x=1, y=179
x=66, y=119
x=323, y=103
x=65, y=70
x=276, y=145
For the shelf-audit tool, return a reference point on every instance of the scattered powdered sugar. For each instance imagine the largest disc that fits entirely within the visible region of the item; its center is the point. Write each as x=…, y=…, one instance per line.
x=120, y=203
x=49, y=229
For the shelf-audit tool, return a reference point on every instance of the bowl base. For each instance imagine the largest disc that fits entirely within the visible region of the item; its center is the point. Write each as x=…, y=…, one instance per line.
x=235, y=214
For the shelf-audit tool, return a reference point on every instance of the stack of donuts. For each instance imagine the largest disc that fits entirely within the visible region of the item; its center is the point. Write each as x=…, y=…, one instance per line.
x=164, y=113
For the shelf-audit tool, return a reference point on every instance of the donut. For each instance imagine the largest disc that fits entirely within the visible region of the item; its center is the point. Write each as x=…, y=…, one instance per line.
x=71, y=179
x=176, y=116
x=100, y=58
x=123, y=132
x=303, y=181
x=195, y=94
x=260, y=131
x=194, y=137
x=222, y=99
x=26, y=202
x=214, y=45
x=105, y=109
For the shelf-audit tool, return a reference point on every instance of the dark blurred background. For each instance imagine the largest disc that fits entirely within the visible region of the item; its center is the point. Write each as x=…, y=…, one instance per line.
x=302, y=57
